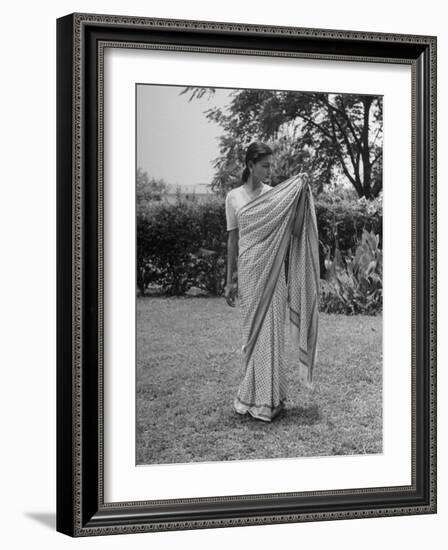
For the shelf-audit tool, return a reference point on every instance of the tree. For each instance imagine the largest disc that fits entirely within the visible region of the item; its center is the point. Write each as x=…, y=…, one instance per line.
x=312, y=132
x=148, y=189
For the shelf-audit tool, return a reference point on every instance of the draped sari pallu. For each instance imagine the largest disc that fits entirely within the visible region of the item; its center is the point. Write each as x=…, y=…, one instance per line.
x=278, y=222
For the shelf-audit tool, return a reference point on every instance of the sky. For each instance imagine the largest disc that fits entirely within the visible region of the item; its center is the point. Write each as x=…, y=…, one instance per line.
x=175, y=140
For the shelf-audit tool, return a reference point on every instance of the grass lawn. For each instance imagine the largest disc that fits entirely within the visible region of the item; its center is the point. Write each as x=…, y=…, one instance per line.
x=189, y=367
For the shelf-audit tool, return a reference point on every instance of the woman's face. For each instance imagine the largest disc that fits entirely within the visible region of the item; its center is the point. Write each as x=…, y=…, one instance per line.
x=261, y=170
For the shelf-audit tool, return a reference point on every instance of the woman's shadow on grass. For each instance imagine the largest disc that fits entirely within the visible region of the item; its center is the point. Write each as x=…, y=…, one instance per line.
x=299, y=416
x=290, y=416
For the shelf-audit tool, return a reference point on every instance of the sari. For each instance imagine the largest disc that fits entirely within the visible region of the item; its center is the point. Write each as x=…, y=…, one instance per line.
x=277, y=224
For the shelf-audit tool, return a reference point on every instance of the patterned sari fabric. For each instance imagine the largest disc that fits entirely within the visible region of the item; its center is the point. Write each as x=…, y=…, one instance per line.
x=279, y=222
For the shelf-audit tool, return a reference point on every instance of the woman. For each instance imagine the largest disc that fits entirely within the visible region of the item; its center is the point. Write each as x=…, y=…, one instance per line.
x=263, y=223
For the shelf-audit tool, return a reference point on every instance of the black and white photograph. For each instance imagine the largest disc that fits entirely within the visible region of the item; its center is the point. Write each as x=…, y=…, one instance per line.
x=259, y=274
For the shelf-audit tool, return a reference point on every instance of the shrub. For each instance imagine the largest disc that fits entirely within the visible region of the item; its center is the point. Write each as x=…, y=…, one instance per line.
x=182, y=245
x=341, y=222
x=165, y=235
x=208, y=271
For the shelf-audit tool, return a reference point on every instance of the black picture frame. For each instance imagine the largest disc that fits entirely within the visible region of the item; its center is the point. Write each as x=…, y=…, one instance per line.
x=81, y=510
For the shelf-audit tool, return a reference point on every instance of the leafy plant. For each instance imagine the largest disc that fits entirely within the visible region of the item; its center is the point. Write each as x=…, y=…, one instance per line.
x=354, y=283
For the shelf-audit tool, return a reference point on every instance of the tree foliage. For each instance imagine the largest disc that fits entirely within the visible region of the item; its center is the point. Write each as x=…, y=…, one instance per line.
x=328, y=136
x=148, y=189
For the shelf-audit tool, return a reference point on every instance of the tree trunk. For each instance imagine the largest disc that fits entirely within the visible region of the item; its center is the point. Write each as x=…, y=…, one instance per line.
x=365, y=150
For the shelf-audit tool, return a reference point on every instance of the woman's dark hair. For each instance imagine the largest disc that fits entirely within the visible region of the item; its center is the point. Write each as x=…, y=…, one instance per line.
x=255, y=152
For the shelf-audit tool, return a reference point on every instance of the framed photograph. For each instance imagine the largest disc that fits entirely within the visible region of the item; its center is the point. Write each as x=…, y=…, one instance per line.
x=246, y=240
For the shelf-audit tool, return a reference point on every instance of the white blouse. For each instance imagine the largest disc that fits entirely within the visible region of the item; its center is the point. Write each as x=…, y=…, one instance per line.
x=236, y=199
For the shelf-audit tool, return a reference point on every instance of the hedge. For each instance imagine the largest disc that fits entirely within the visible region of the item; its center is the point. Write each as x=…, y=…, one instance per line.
x=184, y=244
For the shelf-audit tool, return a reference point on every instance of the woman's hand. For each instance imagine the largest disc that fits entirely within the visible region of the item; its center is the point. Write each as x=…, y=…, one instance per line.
x=230, y=292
